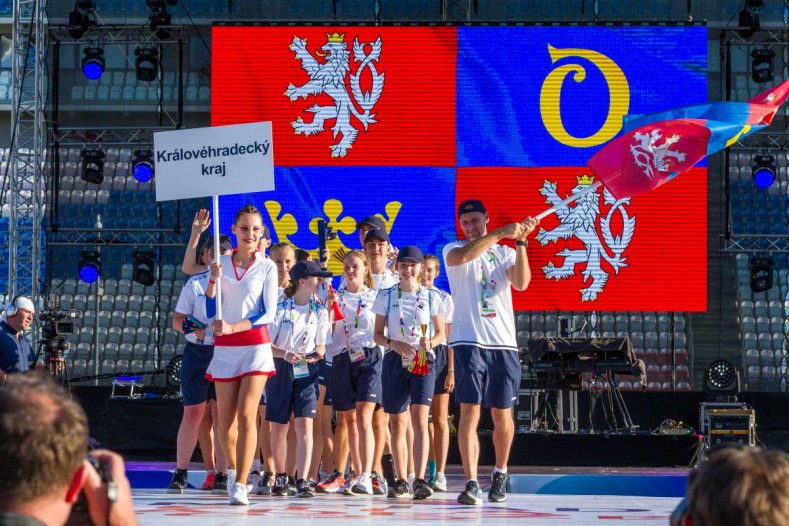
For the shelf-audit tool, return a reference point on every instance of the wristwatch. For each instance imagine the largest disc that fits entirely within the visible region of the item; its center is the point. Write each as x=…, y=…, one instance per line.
x=522, y=243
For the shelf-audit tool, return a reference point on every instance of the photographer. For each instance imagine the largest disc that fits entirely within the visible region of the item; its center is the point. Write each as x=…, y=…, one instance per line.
x=16, y=351
x=44, y=436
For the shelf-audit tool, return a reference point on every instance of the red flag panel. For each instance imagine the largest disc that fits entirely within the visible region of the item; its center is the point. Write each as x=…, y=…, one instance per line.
x=661, y=237
x=407, y=85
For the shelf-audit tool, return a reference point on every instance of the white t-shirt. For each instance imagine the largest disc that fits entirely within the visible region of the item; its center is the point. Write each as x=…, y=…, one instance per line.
x=360, y=333
x=380, y=281
x=447, y=307
x=193, y=290
x=299, y=328
x=489, y=326
x=415, y=308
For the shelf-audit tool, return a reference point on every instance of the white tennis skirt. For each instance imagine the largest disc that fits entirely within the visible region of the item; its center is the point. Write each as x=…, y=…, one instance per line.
x=231, y=364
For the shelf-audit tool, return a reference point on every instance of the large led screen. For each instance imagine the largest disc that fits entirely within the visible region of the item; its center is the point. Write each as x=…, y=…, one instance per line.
x=406, y=122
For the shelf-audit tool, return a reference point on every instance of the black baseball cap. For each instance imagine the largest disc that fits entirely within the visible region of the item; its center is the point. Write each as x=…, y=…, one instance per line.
x=379, y=233
x=306, y=269
x=265, y=233
x=224, y=243
x=410, y=253
x=471, y=205
x=373, y=221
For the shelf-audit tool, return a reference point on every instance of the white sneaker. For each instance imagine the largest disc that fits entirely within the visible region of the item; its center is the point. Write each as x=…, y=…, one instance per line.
x=362, y=486
x=439, y=483
x=252, y=481
x=239, y=497
x=231, y=480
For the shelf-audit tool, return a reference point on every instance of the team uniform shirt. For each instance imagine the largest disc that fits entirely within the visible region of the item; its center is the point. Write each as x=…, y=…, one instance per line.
x=380, y=281
x=280, y=295
x=482, y=296
x=447, y=307
x=355, y=331
x=16, y=355
x=407, y=312
x=247, y=294
x=190, y=304
x=300, y=328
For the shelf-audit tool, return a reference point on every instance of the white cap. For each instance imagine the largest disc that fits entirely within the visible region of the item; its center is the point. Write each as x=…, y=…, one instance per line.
x=25, y=303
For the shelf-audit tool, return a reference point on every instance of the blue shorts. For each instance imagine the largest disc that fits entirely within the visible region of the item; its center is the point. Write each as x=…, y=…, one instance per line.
x=286, y=395
x=442, y=367
x=491, y=378
x=195, y=387
x=357, y=382
x=401, y=387
x=325, y=379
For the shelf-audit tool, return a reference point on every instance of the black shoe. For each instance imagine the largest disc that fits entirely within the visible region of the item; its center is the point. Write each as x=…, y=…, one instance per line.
x=178, y=483
x=264, y=486
x=422, y=489
x=304, y=489
x=280, y=488
x=399, y=490
x=498, y=487
x=220, y=484
x=292, y=487
x=472, y=495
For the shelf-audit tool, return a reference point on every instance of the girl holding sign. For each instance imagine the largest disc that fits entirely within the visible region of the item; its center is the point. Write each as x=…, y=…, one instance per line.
x=300, y=333
x=242, y=358
x=408, y=323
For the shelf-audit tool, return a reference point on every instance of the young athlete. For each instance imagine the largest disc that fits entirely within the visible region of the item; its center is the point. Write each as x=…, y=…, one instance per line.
x=445, y=376
x=408, y=320
x=200, y=224
x=300, y=333
x=242, y=358
x=197, y=392
x=356, y=385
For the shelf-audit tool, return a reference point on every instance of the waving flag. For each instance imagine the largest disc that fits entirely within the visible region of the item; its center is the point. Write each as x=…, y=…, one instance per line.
x=657, y=147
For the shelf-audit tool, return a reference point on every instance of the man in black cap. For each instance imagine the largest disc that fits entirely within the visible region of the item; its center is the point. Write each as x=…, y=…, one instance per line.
x=374, y=222
x=487, y=369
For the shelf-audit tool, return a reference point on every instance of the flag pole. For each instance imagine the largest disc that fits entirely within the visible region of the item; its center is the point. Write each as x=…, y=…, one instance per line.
x=573, y=197
x=218, y=284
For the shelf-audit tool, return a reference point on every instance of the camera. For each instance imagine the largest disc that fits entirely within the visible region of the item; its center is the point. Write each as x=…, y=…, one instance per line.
x=56, y=324
x=80, y=514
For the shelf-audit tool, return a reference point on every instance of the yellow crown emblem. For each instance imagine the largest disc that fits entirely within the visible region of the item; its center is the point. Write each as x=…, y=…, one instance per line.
x=335, y=38
x=585, y=180
x=285, y=226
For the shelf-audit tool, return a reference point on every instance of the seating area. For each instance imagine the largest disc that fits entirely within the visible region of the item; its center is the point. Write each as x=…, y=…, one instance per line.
x=660, y=339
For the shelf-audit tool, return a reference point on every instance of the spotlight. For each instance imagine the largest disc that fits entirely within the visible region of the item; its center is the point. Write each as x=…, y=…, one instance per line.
x=92, y=166
x=762, y=65
x=159, y=17
x=749, y=19
x=761, y=273
x=144, y=271
x=763, y=171
x=146, y=65
x=89, y=266
x=142, y=165
x=93, y=62
x=721, y=380
x=77, y=24
x=173, y=370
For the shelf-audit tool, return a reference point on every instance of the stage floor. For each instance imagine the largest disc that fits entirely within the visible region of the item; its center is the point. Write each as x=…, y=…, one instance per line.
x=155, y=507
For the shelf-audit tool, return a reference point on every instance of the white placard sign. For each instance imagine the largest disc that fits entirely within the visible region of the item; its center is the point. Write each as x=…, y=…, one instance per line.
x=219, y=160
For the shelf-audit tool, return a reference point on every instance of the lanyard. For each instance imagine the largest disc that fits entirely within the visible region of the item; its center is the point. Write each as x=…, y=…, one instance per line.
x=488, y=283
x=303, y=344
x=356, y=315
x=417, y=304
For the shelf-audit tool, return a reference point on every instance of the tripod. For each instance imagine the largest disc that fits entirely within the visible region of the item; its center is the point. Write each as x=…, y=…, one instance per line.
x=54, y=359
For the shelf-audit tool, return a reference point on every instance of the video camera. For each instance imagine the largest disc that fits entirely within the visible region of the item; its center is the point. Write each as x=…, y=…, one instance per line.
x=56, y=323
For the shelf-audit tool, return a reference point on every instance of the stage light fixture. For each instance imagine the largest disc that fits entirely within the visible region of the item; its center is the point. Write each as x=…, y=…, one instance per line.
x=761, y=273
x=89, y=266
x=762, y=65
x=763, y=171
x=749, y=20
x=92, y=166
x=146, y=63
x=722, y=380
x=142, y=165
x=144, y=271
x=173, y=370
x=93, y=62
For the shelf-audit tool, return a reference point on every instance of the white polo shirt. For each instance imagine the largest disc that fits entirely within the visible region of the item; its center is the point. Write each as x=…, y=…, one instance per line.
x=192, y=291
x=490, y=325
x=416, y=308
x=299, y=328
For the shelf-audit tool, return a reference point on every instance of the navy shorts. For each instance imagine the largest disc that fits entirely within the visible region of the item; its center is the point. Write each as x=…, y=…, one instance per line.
x=195, y=387
x=401, y=387
x=285, y=394
x=325, y=379
x=442, y=368
x=357, y=382
x=491, y=378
